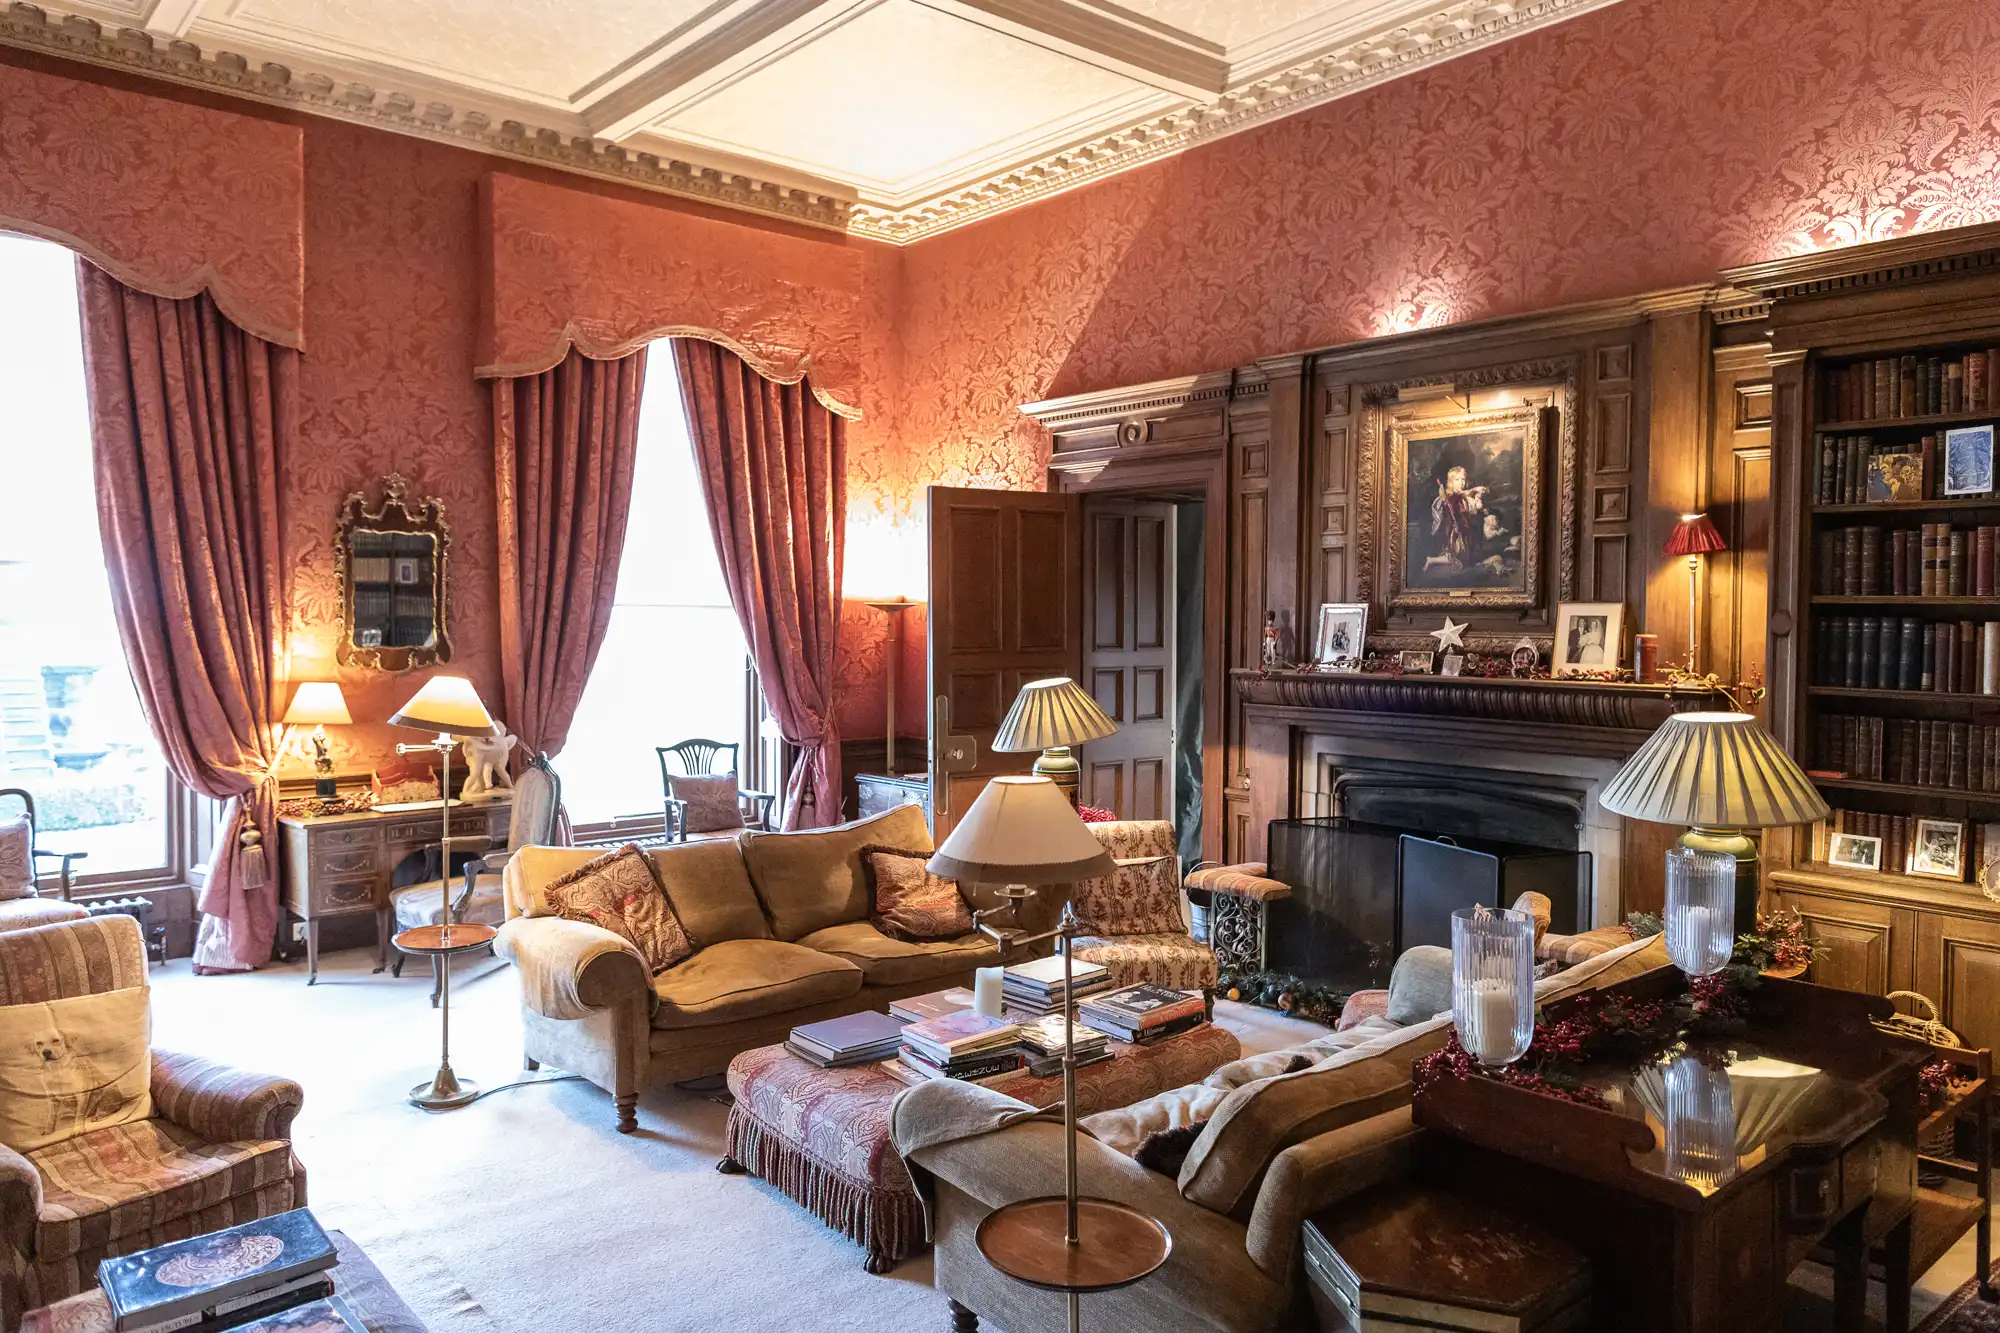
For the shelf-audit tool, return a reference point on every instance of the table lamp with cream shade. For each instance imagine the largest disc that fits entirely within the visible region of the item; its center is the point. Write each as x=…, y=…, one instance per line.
x=1023, y=832
x=319, y=704
x=1051, y=716
x=450, y=707
x=1720, y=774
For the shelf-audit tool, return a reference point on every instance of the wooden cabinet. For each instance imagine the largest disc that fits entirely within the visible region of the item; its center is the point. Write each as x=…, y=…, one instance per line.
x=879, y=793
x=341, y=865
x=1886, y=932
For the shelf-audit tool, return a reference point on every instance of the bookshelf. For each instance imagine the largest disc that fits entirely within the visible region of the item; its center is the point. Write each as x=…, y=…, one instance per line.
x=1884, y=676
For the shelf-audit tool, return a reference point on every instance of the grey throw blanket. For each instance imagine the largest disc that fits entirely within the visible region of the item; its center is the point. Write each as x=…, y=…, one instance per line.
x=947, y=1111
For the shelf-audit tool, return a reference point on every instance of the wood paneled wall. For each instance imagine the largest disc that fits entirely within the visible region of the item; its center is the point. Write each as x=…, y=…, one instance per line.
x=1654, y=408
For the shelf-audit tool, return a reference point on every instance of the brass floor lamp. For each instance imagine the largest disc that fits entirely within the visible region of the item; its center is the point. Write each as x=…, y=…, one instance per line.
x=1024, y=832
x=449, y=706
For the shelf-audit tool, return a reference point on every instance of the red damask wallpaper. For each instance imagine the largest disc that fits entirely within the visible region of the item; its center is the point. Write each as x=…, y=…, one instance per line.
x=1647, y=144
x=166, y=196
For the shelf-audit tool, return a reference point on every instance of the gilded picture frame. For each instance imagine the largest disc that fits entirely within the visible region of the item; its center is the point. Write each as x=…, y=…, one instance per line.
x=1465, y=512
x=393, y=567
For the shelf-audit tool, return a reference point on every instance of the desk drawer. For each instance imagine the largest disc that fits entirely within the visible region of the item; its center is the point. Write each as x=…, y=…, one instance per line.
x=332, y=896
x=344, y=837
x=333, y=861
x=413, y=830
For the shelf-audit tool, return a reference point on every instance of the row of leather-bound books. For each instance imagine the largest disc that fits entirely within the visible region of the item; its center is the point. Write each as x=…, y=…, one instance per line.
x=1911, y=386
x=1930, y=560
x=1858, y=469
x=1908, y=752
x=1907, y=653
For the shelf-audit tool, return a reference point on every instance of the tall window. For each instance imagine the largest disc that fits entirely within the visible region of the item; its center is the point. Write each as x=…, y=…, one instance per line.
x=70, y=727
x=673, y=663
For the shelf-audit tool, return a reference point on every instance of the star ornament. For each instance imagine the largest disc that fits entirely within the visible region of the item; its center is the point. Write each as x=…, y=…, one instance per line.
x=1451, y=636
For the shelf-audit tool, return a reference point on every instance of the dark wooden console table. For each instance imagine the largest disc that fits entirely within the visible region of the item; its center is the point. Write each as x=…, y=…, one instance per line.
x=1680, y=1250
x=345, y=865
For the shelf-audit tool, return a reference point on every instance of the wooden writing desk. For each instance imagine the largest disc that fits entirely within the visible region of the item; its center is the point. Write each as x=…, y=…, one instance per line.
x=345, y=865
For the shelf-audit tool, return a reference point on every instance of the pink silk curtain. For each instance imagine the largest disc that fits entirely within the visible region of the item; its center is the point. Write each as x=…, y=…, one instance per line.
x=564, y=445
x=774, y=474
x=189, y=415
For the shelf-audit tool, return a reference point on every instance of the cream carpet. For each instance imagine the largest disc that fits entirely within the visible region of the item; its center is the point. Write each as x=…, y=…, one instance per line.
x=527, y=1212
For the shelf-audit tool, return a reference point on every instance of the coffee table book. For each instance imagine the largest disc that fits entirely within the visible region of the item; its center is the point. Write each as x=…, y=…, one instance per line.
x=331, y=1315
x=933, y=1004
x=183, y=1279
x=851, y=1039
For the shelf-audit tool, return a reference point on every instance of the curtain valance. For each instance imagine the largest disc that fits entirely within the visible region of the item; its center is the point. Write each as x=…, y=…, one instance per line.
x=605, y=276
x=168, y=197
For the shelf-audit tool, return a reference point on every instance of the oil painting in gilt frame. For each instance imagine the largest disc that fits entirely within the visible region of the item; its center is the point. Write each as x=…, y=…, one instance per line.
x=1464, y=526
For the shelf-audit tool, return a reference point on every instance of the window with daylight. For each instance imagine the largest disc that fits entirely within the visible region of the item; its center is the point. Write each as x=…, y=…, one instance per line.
x=71, y=732
x=674, y=665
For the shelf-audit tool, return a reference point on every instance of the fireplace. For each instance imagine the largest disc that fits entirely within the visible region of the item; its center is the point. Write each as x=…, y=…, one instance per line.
x=1509, y=770
x=1364, y=892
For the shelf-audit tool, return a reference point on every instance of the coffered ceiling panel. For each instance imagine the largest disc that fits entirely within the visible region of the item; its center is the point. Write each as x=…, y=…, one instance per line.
x=549, y=50
x=889, y=118
x=896, y=95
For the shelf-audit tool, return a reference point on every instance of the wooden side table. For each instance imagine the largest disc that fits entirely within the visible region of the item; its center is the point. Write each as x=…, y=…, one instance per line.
x=445, y=1089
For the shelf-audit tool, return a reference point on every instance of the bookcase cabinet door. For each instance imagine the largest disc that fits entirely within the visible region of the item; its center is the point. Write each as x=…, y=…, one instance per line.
x=1958, y=965
x=1859, y=939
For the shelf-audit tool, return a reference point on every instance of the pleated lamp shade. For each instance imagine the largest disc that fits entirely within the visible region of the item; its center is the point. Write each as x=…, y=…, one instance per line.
x=1713, y=771
x=448, y=704
x=1021, y=830
x=1695, y=534
x=1052, y=712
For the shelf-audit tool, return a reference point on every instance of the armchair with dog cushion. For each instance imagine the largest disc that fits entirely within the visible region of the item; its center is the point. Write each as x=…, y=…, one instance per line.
x=215, y=1149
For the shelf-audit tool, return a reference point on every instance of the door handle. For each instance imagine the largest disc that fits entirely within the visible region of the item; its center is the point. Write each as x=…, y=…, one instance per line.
x=949, y=754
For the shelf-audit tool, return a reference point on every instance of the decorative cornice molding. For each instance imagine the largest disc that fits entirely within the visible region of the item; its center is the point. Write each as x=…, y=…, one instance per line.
x=1361, y=64
x=1934, y=254
x=1452, y=30
x=1133, y=400
x=134, y=51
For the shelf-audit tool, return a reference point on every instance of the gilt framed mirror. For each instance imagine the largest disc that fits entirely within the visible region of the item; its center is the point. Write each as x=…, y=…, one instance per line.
x=393, y=564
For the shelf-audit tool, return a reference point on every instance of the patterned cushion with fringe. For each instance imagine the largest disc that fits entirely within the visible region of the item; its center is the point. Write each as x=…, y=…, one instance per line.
x=621, y=892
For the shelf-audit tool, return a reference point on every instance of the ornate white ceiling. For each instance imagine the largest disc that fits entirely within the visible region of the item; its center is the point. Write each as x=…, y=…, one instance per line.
x=889, y=118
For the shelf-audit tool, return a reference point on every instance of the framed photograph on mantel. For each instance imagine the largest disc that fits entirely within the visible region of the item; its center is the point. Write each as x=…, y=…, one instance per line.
x=1343, y=632
x=1587, y=637
x=1464, y=527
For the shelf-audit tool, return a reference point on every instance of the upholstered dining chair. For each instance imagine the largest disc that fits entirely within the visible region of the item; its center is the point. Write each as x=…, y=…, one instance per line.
x=531, y=822
x=22, y=903
x=697, y=805
x=1135, y=918
x=175, y=1146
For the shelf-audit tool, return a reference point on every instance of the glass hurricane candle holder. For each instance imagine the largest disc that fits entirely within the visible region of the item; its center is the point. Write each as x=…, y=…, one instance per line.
x=1701, y=910
x=1493, y=983
x=1700, y=1123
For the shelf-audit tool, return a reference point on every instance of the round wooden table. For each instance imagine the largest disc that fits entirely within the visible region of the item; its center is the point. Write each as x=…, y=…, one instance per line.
x=445, y=1089
x=1116, y=1245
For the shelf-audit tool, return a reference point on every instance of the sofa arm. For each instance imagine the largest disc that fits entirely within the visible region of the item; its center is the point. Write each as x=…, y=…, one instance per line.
x=1319, y=1173
x=221, y=1103
x=20, y=1201
x=571, y=969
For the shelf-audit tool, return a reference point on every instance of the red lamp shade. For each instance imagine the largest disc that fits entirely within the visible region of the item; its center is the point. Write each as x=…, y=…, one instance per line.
x=1695, y=535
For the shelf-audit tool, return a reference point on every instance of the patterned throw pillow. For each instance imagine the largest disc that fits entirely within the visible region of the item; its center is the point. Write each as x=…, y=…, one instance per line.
x=908, y=902
x=1141, y=897
x=620, y=892
x=711, y=802
x=17, y=860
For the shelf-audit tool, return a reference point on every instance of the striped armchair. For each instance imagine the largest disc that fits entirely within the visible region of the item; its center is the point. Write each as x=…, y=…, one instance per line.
x=217, y=1150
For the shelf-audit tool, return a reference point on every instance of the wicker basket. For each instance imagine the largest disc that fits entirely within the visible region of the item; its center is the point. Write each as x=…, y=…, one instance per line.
x=1929, y=1029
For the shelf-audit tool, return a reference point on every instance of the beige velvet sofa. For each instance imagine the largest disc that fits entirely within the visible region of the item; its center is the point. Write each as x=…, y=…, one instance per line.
x=782, y=924
x=1275, y=1147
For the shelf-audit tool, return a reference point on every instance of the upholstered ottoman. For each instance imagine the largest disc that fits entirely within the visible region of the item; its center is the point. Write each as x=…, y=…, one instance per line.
x=822, y=1135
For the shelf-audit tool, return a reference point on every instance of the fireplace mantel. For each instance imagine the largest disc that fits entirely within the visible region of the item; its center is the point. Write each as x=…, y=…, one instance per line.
x=1532, y=703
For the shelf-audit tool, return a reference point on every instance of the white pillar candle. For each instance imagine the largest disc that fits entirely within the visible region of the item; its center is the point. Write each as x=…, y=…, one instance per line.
x=1495, y=1007
x=986, y=990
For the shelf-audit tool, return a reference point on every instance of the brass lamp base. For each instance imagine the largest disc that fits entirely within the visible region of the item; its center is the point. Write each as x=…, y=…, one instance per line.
x=445, y=1092
x=1738, y=845
x=1058, y=764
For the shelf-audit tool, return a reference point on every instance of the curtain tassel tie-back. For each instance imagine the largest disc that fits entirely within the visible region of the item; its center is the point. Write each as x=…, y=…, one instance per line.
x=255, y=863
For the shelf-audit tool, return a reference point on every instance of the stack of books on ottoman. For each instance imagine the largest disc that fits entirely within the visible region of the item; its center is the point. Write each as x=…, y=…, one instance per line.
x=261, y=1277
x=851, y=1039
x=1042, y=1044
x=965, y=1045
x=1144, y=1014
x=1035, y=988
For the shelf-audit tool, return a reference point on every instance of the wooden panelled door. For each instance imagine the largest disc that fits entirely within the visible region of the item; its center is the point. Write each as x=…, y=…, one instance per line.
x=1005, y=567
x=1129, y=654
